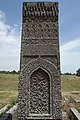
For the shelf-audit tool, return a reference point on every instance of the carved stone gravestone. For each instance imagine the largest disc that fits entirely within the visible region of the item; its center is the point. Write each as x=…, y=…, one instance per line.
x=39, y=84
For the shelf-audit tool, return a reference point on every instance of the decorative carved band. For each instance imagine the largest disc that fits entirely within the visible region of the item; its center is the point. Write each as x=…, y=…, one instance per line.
x=40, y=9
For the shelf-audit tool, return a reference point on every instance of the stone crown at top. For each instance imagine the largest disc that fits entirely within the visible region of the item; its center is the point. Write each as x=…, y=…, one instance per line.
x=40, y=9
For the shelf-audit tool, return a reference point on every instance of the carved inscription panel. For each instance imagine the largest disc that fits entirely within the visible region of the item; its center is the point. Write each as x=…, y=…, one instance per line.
x=39, y=93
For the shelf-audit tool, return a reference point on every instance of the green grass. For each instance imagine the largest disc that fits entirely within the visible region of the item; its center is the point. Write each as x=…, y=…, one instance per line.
x=9, y=86
x=9, y=82
x=70, y=83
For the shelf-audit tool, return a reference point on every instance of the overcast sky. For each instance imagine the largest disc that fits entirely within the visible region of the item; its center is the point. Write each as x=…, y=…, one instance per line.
x=69, y=31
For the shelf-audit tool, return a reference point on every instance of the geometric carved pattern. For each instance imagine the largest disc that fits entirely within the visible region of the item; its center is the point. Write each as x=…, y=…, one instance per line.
x=39, y=29
x=39, y=92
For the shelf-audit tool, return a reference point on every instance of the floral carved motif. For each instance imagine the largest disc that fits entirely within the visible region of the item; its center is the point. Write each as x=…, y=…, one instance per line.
x=39, y=92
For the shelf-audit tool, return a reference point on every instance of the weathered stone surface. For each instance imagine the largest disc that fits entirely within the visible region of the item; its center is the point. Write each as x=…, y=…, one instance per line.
x=39, y=84
x=4, y=109
x=76, y=114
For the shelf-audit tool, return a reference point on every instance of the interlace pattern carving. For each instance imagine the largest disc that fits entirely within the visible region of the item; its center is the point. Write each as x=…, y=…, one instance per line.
x=39, y=92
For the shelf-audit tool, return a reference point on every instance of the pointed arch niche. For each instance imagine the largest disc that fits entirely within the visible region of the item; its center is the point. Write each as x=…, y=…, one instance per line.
x=39, y=78
x=39, y=92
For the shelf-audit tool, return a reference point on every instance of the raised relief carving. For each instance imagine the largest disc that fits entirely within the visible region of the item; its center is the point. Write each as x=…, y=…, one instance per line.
x=40, y=29
x=39, y=92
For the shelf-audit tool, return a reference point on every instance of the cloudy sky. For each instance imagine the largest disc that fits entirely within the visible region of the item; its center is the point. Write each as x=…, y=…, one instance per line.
x=69, y=30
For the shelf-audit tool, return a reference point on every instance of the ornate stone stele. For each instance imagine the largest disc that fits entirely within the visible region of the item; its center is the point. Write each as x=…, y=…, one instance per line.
x=40, y=84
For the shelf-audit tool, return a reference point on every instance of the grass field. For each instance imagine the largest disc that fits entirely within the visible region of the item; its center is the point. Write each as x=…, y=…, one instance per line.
x=70, y=83
x=9, y=86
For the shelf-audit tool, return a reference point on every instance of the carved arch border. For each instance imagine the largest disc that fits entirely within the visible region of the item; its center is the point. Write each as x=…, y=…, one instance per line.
x=27, y=71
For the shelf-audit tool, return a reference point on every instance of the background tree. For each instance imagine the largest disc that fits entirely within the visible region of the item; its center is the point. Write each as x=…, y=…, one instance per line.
x=78, y=72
